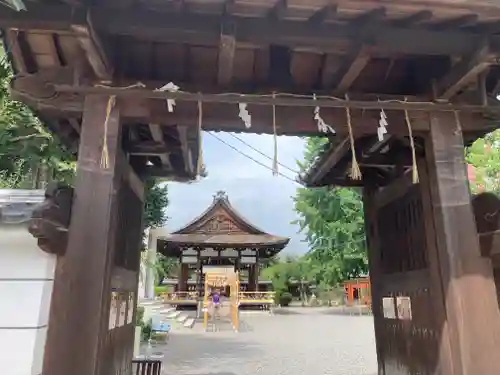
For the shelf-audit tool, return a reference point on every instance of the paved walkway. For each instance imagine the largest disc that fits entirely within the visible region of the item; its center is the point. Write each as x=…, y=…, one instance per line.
x=307, y=343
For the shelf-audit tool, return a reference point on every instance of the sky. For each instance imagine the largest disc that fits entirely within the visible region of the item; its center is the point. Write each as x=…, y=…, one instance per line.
x=263, y=199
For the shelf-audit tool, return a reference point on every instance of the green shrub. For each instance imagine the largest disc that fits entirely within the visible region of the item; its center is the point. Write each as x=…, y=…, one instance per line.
x=146, y=330
x=285, y=298
x=159, y=289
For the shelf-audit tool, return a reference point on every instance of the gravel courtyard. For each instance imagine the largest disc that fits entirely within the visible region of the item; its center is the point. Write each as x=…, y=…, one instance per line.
x=298, y=343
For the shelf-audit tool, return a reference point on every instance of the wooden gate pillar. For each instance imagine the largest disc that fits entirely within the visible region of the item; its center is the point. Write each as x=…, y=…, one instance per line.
x=467, y=283
x=79, y=311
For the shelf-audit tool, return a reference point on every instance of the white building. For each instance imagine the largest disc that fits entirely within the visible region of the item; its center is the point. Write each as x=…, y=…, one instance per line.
x=26, y=279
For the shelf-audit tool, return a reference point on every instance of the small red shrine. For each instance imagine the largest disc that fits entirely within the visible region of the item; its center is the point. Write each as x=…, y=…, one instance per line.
x=358, y=291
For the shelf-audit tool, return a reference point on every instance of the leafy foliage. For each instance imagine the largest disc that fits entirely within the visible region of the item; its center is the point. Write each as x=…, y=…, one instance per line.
x=30, y=156
x=332, y=220
x=155, y=203
x=484, y=156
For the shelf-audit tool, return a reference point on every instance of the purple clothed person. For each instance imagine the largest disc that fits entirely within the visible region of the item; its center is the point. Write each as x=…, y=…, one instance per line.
x=216, y=298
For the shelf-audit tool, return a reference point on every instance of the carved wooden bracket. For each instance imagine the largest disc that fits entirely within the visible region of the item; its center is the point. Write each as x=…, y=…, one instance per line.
x=50, y=220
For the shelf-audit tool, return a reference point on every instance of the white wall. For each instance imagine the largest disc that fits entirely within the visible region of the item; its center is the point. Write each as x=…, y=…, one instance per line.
x=26, y=279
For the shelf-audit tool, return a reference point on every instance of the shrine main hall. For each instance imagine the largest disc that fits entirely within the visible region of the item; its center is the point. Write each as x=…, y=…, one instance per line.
x=219, y=237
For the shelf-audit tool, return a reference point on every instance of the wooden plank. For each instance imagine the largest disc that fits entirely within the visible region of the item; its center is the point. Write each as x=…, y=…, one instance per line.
x=81, y=285
x=464, y=71
x=12, y=37
x=466, y=277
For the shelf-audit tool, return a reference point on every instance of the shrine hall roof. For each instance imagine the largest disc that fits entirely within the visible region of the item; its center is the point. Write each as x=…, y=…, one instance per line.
x=222, y=226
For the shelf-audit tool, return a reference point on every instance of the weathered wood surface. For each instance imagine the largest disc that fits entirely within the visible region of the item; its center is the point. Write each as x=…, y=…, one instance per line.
x=467, y=280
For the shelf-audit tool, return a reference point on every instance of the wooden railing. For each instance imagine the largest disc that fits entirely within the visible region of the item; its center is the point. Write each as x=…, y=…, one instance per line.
x=256, y=297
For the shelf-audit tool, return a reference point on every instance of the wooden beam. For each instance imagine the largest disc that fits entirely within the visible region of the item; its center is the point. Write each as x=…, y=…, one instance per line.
x=191, y=28
x=157, y=135
x=284, y=101
x=464, y=72
x=12, y=37
x=354, y=64
x=81, y=292
x=358, y=56
x=334, y=156
x=227, y=49
x=92, y=45
x=327, y=12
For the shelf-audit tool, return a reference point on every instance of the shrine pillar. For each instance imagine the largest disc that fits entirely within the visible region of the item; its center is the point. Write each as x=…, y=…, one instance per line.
x=182, y=282
x=469, y=295
x=253, y=277
x=91, y=322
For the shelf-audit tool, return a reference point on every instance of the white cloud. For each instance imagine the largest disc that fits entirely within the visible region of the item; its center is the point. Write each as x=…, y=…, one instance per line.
x=262, y=198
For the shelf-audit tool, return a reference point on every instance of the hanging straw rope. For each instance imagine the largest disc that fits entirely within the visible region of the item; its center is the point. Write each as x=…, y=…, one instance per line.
x=275, y=138
x=199, y=165
x=105, y=152
x=412, y=145
x=355, y=171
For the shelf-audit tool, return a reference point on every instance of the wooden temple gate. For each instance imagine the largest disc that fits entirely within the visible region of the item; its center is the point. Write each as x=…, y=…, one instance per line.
x=400, y=88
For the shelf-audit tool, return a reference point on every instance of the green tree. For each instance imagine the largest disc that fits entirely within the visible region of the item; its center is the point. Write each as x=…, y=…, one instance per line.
x=484, y=156
x=155, y=204
x=30, y=156
x=332, y=220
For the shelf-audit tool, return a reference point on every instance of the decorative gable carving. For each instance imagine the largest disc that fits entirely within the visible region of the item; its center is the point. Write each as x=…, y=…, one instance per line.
x=219, y=223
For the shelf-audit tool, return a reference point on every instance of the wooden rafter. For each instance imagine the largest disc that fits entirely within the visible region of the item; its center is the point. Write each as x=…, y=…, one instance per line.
x=358, y=56
x=464, y=71
x=354, y=63
x=93, y=48
x=206, y=28
x=12, y=37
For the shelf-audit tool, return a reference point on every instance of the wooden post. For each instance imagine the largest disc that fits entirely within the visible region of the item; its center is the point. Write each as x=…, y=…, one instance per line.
x=373, y=244
x=80, y=300
x=182, y=283
x=467, y=283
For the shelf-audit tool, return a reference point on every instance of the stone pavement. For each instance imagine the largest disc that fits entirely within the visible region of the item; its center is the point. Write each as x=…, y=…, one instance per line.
x=297, y=342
